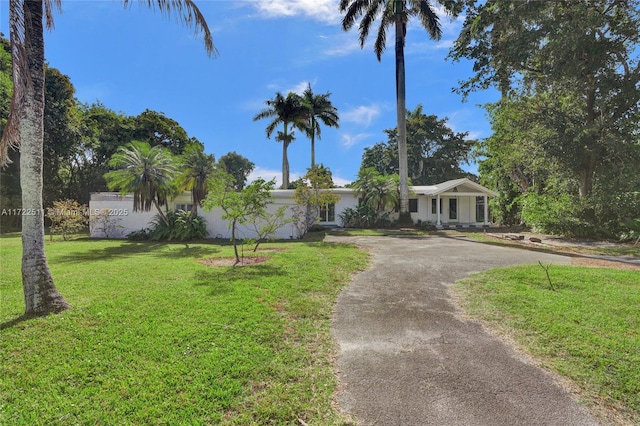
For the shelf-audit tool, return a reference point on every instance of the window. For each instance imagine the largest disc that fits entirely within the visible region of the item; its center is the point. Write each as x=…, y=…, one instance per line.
x=328, y=213
x=434, y=206
x=185, y=207
x=453, y=208
x=413, y=205
x=479, y=209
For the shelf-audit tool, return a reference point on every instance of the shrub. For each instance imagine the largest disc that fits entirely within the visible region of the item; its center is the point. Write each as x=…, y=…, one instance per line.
x=141, y=235
x=182, y=226
x=67, y=217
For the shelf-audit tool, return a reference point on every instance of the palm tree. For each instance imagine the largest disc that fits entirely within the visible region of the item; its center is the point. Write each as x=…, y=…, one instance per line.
x=397, y=13
x=197, y=169
x=24, y=129
x=319, y=108
x=145, y=171
x=376, y=190
x=291, y=112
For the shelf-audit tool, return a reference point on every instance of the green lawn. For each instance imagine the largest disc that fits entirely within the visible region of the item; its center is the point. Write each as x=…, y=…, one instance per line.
x=588, y=329
x=154, y=337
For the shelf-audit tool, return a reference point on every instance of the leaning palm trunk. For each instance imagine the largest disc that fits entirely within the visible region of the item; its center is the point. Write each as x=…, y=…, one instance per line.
x=405, y=216
x=41, y=295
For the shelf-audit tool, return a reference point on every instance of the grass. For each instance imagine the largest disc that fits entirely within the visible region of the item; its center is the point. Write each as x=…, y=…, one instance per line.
x=154, y=337
x=588, y=329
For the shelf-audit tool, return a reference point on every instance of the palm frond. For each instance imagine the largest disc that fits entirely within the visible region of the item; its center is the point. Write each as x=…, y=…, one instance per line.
x=430, y=20
x=187, y=13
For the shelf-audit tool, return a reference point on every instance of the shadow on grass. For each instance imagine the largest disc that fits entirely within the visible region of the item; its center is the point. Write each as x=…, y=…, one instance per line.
x=157, y=249
x=226, y=279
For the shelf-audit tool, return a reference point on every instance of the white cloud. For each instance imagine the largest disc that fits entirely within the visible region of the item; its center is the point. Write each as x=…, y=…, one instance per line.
x=349, y=140
x=266, y=174
x=326, y=11
x=338, y=181
x=362, y=115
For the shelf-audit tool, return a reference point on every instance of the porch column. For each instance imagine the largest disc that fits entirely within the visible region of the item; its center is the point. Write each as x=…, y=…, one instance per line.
x=438, y=210
x=486, y=210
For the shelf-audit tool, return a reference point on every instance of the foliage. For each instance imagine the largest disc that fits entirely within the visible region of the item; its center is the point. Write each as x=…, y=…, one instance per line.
x=380, y=192
x=143, y=234
x=292, y=113
x=312, y=196
x=104, y=224
x=267, y=224
x=570, y=106
x=319, y=110
x=157, y=129
x=145, y=171
x=361, y=216
x=222, y=346
x=196, y=168
x=237, y=166
x=178, y=225
x=239, y=208
x=435, y=153
x=67, y=217
x=585, y=330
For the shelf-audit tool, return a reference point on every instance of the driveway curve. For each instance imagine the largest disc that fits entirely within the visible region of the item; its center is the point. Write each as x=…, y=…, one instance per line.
x=406, y=358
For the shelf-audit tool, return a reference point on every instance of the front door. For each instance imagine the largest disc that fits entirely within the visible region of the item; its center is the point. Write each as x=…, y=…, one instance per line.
x=453, y=209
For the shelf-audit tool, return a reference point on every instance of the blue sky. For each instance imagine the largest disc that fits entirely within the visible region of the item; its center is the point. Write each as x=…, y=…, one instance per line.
x=134, y=59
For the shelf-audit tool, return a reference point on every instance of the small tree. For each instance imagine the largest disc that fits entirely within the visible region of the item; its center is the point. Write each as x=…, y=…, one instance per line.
x=312, y=196
x=238, y=206
x=67, y=217
x=267, y=225
x=105, y=224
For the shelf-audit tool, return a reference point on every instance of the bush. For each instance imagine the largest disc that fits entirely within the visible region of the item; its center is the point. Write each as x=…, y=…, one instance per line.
x=182, y=226
x=141, y=235
x=67, y=217
x=362, y=216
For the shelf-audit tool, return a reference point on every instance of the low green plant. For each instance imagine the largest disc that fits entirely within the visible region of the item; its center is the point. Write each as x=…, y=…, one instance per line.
x=180, y=226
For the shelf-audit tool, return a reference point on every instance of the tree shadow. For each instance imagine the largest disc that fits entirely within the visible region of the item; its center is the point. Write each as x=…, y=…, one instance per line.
x=224, y=279
x=22, y=318
x=129, y=248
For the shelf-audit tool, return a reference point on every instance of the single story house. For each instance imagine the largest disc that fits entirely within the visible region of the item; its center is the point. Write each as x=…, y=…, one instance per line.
x=455, y=203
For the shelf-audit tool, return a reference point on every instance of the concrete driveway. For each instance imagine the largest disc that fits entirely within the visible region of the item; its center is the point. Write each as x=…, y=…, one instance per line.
x=406, y=356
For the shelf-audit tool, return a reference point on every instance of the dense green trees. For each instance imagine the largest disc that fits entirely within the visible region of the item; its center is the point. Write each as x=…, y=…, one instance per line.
x=435, y=152
x=237, y=166
x=567, y=124
x=393, y=13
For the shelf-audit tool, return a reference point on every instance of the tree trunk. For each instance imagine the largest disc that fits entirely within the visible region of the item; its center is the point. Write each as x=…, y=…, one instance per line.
x=313, y=142
x=40, y=293
x=285, y=159
x=403, y=169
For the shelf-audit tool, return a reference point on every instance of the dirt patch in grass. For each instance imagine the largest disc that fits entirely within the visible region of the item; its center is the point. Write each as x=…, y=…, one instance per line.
x=599, y=263
x=217, y=262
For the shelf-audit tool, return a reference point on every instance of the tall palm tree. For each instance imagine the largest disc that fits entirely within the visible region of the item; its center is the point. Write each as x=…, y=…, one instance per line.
x=319, y=108
x=397, y=13
x=24, y=129
x=197, y=169
x=291, y=112
x=145, y=171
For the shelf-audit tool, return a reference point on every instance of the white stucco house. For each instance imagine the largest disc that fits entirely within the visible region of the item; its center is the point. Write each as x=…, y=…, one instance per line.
x=454, y=203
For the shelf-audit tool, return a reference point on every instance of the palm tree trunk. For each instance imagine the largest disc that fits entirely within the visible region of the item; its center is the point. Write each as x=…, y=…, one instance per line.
x=313, y=142
x=285, y=158
x=40, y=293
x=405, y=216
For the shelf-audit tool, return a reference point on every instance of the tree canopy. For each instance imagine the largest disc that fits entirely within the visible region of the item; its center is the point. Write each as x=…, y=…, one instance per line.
x=435, y=152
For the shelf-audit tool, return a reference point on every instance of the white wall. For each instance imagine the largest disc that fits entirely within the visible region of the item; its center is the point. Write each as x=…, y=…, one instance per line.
x=121, y=213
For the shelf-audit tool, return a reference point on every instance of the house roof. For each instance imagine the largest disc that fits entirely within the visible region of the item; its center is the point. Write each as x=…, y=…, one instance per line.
x=463, y=185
